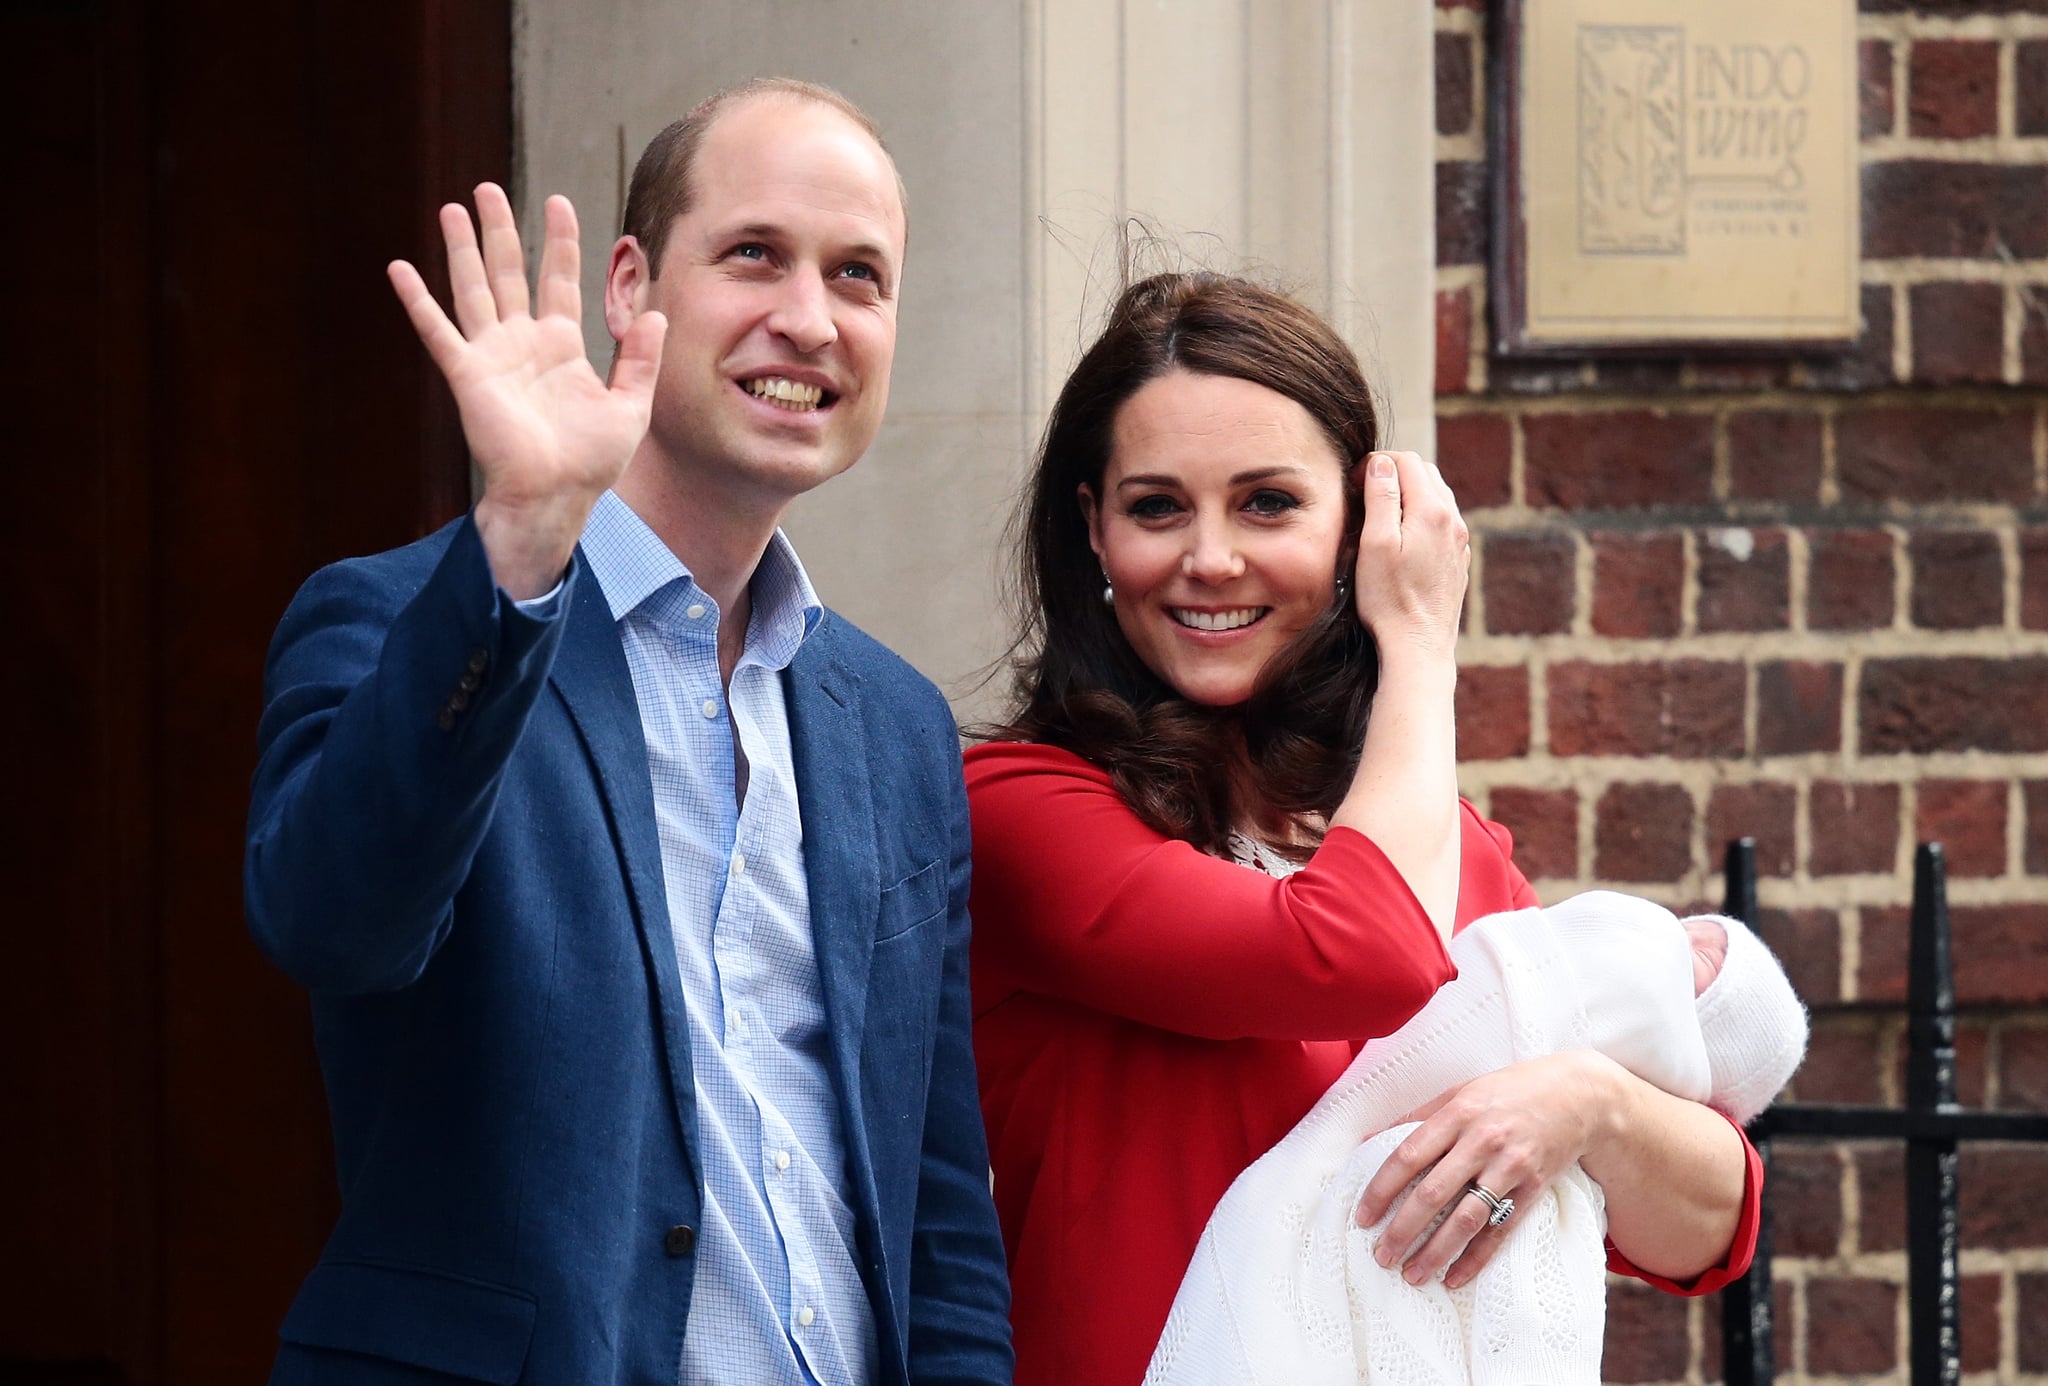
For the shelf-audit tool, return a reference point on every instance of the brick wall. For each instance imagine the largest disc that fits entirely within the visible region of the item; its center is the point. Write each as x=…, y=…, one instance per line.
x=1805, y=600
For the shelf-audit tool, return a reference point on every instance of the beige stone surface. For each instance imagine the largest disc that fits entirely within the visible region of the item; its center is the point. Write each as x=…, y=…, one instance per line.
x=1689, y=170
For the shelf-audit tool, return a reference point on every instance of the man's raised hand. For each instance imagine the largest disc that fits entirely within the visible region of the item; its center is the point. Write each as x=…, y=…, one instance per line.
x=546, y=432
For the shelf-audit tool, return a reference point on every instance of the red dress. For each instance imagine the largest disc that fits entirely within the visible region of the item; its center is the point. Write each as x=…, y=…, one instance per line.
x=1149, y=1020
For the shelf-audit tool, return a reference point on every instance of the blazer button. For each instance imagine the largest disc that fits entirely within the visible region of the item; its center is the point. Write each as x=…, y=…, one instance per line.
x=478, y=658
x=681, y=1239
x=445, y=719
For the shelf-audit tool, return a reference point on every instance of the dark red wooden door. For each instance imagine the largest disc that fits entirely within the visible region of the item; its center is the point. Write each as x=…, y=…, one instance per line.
x=208, y=393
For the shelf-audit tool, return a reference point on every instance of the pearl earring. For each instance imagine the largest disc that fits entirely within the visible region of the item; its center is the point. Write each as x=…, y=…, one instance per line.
x=1108, y=592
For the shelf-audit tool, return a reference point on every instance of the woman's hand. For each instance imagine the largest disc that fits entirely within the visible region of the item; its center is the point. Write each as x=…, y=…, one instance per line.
x=1414, y=555
x=1512, y=1131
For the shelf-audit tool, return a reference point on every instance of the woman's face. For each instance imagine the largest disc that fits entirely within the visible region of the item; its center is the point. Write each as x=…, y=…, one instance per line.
x=1219, y=524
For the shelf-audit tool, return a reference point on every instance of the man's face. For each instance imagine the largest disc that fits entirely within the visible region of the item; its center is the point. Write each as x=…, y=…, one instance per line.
x=780, y=286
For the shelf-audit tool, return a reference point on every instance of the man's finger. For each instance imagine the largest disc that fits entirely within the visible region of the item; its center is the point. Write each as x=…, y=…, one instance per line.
x=639, y=360
x=504, y=262
x=561, y=288
x=468, y=286
x=436, y=333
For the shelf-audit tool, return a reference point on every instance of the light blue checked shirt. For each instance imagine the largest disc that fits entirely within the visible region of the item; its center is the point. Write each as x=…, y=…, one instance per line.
x=777, y=1297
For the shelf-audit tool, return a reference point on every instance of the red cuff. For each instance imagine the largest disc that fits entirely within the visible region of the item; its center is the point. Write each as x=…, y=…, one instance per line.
x=1741, y=1251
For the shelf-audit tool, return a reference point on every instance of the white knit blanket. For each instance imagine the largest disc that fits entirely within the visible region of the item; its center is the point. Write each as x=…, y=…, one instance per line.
x=1283, y=1288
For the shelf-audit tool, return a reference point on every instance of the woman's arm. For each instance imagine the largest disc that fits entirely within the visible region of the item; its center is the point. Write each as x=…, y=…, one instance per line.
x=1413, y=558
x=1674, y=1172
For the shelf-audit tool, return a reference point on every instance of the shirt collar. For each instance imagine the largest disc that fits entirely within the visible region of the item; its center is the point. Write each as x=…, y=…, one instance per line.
x=632, y=564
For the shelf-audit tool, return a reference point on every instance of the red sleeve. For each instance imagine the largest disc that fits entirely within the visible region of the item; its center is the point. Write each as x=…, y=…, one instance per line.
x=1075, y=897
x=1741, y=1251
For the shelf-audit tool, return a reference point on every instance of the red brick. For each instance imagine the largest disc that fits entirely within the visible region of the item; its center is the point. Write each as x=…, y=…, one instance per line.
x=1618, y=460
x=1638, y=584
x=1545, y=825
x=1958, y=333
x=1475, y=452
x=1958, y=579
x=1809, y=943
x=2030, y=80
x=2032, y=1320
x=2033, y=555
x=1798, y=707
x=1492, y=709
x=1967, y=817
x=1874, y=86
x=1978, y=1322
x=1689, y=708
x=1841, y=1063
x=1867, y=364
x=1882, y=944
x=1745, y=578
x=1935, y=454
x=1774, y=454
x=2001, y=954
x=1806, y=1200
x=1454, y=103
x=1855, y=828
x=2000, y=1201
x=1646, y=1336
x=1453, y=340
x=1762, y=811
x=1642, y=832
x=1461, y=211
x=1880, y=1196
x=1954, y=210
x=2036, y=796
x=1849, y=579
x=1860, y=1325
x=1925, y=704
x=2023, y=1069
x=1530, y=583
x=1954, y=89
x=2033, y=337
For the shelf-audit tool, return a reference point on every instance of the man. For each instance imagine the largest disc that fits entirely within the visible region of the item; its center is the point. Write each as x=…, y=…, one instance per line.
x=630, y=884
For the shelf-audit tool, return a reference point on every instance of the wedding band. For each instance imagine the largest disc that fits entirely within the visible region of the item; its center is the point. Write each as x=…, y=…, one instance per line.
x=1499, y=1209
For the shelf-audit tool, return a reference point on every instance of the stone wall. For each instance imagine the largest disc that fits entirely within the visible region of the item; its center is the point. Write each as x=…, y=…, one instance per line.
x=1805, y=600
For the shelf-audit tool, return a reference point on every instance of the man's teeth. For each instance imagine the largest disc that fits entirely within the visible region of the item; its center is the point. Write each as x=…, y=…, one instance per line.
x=1218, y=620
x=788, y=394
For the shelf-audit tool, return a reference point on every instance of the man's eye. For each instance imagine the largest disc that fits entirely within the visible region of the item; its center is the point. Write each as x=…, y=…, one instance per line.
x=860, y=271
x=749, y=251
x=1270, y=502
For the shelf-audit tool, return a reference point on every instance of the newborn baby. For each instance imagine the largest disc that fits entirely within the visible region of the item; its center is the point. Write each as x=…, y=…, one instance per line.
x=1283, y=1287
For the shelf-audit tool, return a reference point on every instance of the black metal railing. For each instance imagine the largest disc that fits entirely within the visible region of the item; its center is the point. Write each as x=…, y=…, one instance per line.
x=1931, y=1124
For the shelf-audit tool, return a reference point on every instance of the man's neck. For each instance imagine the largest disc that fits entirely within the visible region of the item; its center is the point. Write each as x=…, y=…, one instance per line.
x=719, y=537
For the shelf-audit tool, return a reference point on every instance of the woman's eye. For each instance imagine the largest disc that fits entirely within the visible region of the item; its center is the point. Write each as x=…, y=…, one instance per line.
x=1152, y=507
x=1270, y=502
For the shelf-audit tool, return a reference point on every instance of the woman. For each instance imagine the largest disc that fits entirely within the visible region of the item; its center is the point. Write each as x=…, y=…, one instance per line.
x=1220, y=844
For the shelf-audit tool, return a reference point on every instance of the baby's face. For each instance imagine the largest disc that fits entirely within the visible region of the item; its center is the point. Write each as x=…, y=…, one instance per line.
x=1709, y=950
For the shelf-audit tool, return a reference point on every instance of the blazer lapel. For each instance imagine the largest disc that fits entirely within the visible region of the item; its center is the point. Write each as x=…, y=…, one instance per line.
x=831, y=755
x=591, y=674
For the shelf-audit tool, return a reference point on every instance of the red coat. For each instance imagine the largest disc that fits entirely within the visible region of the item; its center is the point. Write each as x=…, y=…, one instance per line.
x=1149, y=1020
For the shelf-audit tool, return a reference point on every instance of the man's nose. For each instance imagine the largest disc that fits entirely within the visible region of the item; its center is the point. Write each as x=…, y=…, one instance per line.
x=1212, y=554
x=802, y=315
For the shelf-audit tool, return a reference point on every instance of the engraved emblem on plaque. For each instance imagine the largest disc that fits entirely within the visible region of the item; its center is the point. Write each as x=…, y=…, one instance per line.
x=1631, y=150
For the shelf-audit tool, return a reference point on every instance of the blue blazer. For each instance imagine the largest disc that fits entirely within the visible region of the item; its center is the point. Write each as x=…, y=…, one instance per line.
x=452, y=845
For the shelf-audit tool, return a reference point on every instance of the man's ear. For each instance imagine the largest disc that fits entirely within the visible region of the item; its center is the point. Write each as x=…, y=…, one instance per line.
x=1092, y=514
x=626, y=280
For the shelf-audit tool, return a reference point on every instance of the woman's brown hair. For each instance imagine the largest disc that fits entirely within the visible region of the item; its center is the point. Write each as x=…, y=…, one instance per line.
x=1192, y=772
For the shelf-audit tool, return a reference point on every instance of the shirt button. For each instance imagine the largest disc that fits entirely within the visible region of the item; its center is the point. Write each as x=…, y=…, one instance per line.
x=782, y=1159
x=739, y=863
x=695, y=611
x=710, y=707
x=681, y=1240
x=732, y=1017
x=805, y=1317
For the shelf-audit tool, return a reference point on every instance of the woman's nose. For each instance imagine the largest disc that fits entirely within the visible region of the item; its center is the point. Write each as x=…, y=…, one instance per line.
x=1212, y=556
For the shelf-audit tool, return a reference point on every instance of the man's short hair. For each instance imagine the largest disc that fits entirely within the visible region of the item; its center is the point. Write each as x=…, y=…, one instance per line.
x=661, y=189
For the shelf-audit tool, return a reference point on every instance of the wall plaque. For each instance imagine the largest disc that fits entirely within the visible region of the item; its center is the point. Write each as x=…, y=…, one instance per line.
x=1678, y=174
